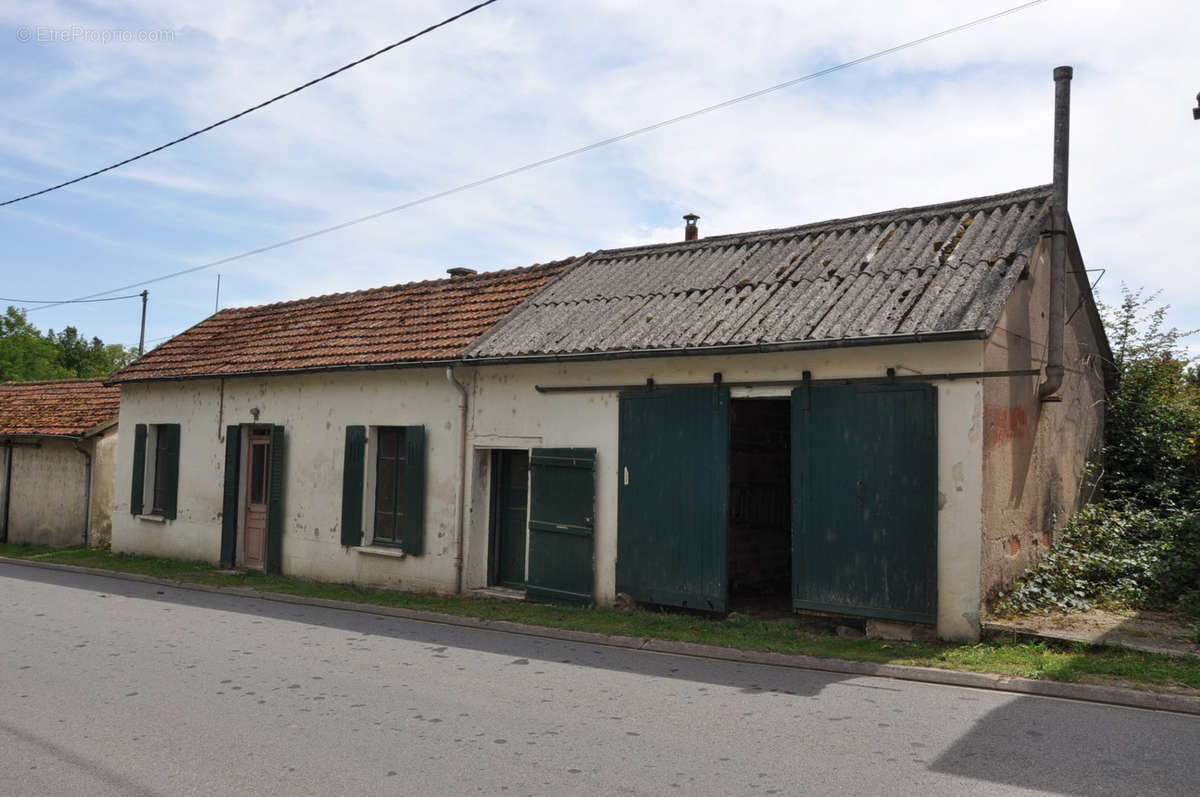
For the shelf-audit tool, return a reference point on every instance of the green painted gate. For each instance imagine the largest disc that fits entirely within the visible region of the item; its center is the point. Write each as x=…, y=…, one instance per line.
x=673, y=497
x=864, y=500
x=562, y=500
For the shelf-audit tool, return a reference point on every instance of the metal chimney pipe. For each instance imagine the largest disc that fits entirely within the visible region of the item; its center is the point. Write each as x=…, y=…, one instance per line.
x=690, y=231
x=1058, y=233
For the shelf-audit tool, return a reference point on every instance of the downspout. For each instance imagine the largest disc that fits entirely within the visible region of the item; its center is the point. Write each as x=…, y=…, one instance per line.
x=461, y=509
x=1058, y=239
x=87, y=491
x=8, y=450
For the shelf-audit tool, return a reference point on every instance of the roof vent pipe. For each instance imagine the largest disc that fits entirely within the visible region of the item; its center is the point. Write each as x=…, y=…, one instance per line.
x=691, y=232
x=1058, y=236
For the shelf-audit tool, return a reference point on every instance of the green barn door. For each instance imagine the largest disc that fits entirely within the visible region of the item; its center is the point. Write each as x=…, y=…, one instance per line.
x=562, y=501
x=673, y=497
x=864, y=501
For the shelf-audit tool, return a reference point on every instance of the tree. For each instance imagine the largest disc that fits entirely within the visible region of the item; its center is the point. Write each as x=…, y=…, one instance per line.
x=26, y=354
x=1152, y=452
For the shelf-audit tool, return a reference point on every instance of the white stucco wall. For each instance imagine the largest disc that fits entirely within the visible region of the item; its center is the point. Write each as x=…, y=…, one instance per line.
x=314, y=409
x=506, y=412
x=46, y=506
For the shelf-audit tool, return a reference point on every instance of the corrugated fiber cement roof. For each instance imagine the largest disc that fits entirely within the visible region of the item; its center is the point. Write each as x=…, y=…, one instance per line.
x=945, y=268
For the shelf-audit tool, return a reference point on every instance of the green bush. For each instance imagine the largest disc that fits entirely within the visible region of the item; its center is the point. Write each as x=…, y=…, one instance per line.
x=1113, y=554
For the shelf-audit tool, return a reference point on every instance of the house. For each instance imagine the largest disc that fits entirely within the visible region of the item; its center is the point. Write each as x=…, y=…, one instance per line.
x=846, y=417
x=58, y=450
x=247, y=433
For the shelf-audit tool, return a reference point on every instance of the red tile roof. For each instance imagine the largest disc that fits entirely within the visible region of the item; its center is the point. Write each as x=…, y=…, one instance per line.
x=399, y=324
x=61, y=407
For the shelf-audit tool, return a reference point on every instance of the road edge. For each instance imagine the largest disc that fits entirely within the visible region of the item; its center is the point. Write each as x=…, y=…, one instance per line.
x=1092, y=693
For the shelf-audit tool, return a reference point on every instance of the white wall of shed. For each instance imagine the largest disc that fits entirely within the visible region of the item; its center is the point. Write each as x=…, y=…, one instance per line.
x=49, y=482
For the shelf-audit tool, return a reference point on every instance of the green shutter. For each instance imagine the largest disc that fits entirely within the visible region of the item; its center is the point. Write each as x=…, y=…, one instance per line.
x=412, y=536
x=274, y=555
x=229, y=510
x=170, y=469
x=139, y=469
x=352, y=485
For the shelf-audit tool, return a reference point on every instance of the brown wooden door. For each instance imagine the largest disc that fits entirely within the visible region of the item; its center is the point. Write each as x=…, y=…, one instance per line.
x=254, y=531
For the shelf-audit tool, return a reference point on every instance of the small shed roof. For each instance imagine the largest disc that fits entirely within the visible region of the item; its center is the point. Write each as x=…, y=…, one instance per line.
x=940, y=270
x=63, y=407
x=413, y=323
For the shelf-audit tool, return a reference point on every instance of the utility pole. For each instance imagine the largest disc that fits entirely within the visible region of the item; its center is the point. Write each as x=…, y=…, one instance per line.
x=142, y=335
x=217, y=301
x=1196, y=110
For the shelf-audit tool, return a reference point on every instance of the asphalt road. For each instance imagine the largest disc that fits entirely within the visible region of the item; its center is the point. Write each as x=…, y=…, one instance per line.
x=112, y=687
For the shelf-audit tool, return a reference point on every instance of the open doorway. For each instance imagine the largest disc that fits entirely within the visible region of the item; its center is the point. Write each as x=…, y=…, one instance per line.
x=760, y=536
x=509, y=521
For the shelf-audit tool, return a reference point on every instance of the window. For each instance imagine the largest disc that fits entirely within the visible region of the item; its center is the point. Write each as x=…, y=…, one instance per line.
x=389, y=487
x=158, y=504
x=390, y=481
x=155, y=479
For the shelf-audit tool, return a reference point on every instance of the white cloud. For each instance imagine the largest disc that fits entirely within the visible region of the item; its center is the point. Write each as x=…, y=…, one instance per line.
x=965, y=115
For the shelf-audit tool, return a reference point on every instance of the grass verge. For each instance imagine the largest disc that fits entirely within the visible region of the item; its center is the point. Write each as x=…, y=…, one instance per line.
x=1072, y=662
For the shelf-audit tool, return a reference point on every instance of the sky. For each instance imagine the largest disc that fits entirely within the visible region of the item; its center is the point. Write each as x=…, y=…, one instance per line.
x=88, y=84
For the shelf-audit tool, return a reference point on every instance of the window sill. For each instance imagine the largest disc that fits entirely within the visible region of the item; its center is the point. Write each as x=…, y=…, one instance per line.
x=151, y=518
x=378, y=550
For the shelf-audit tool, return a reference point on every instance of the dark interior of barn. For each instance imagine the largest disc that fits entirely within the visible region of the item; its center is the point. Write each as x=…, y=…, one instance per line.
x=760, y=546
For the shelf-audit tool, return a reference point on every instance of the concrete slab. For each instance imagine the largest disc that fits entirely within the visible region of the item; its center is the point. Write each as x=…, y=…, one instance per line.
x=1154, y=632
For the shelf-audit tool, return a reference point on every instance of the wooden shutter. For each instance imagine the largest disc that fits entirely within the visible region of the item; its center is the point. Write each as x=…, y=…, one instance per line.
x=412, y=537
x=273, y=560
x=170, y=474
x=229, y=508
x=138, y=488
x=353, y=469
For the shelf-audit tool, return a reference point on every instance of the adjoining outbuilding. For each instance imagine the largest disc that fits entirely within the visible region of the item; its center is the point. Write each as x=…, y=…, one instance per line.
x=58, y=450
x=843, y=417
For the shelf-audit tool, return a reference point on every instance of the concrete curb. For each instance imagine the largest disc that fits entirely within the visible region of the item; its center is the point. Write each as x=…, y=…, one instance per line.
x=1110, y=695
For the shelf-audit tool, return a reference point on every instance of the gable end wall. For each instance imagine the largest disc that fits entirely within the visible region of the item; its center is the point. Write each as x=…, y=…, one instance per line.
x=1035, y=453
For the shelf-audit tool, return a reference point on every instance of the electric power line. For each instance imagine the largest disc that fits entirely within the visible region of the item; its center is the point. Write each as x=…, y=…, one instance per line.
x=261, y=105
x=571, y=153
x=68, y=301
